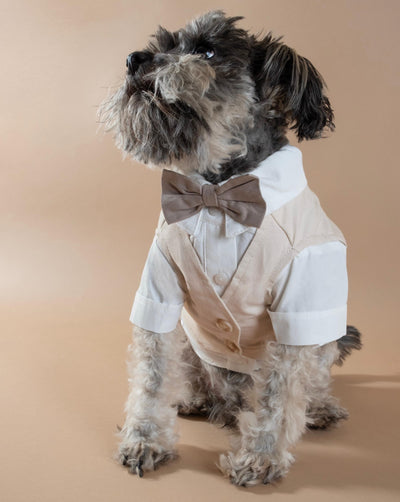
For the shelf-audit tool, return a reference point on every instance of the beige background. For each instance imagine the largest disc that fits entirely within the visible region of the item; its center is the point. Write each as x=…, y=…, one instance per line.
x=74, y=238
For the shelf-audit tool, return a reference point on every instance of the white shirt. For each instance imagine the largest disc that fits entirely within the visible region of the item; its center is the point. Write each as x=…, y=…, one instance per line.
x=312, y=284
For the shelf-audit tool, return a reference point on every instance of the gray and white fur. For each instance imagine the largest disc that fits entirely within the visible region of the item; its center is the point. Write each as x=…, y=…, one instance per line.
x=214, y=99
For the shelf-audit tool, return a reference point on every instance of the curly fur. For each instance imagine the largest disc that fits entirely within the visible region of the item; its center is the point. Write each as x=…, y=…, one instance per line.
x=214, y=99
x=220, y=116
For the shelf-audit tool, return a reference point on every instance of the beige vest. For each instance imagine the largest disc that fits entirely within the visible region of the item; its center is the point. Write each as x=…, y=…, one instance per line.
x=232, y=330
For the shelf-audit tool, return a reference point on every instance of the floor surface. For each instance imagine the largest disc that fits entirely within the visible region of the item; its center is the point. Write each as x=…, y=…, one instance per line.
x=65, y=386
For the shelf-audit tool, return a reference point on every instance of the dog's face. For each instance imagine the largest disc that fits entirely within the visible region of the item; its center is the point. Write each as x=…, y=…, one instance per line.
x=213, y=99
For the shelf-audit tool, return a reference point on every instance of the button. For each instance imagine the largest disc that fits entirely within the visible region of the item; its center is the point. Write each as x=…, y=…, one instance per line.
x=232, y=346
x=213, y=211
x=220, y=279
x=224, y=325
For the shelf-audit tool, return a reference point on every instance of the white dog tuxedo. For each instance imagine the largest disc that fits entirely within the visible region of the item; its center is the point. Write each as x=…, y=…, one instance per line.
x=234, y=287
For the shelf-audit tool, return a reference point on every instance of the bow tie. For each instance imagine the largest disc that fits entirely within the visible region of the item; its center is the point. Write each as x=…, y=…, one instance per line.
x=239, y=197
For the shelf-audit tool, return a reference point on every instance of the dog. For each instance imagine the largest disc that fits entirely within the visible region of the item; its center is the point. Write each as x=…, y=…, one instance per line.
x=241, y=310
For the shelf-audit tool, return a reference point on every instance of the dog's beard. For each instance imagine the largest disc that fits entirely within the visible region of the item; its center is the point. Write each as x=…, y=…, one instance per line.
x=149, y=128
x=176, y=114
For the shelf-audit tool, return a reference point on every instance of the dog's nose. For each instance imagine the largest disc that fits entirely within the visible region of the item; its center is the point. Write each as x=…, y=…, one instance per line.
x=135, y=59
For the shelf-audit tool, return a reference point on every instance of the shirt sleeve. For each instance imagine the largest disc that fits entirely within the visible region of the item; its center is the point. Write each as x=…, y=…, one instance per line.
x=310, y=297
x=159, y=300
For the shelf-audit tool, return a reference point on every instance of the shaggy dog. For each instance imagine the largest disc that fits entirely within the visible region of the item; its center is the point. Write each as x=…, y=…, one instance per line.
x=213, y=103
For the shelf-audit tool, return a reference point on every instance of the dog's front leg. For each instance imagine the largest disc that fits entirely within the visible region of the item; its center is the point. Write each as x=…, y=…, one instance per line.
x=148, y=435
x=277, y=419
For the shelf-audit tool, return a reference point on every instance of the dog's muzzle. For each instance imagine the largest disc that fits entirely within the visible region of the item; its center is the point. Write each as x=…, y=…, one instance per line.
x=135, y=59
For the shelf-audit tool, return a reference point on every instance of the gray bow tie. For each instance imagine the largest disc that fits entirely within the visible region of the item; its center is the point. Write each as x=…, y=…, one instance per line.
x=239, y=197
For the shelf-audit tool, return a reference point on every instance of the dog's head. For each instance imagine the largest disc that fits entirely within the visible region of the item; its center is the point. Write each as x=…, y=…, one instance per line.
x=214, y=99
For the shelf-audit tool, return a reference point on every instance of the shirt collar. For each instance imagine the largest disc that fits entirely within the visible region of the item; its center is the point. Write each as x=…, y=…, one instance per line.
x=281, y=177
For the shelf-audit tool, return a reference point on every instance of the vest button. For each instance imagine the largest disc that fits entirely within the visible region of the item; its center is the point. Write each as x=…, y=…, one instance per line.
x=220, y=279
x=224, y=325
x=232, y=346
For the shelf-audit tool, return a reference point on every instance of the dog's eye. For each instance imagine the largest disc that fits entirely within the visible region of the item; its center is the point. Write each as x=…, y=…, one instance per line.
x=207, y=52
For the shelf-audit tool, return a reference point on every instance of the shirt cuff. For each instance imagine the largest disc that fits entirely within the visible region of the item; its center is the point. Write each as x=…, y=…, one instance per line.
x=154, y=316
x=309, y=328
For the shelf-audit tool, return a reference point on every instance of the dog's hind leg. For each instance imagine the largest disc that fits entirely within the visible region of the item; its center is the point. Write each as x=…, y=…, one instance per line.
x=196, y=398
x=323, y=409
x=214, y=392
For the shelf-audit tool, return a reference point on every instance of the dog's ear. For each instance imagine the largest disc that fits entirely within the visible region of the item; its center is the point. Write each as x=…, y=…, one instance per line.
x=291, y=88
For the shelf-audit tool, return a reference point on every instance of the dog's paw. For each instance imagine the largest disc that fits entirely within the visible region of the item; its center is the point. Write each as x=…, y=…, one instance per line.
x=201, y=409
x=248, y=468
x=326, y=416
x=140, y=457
